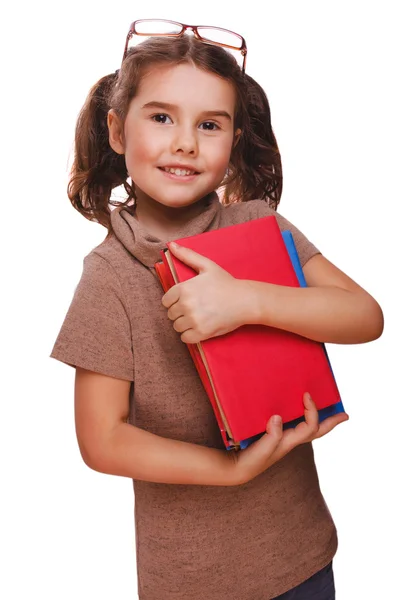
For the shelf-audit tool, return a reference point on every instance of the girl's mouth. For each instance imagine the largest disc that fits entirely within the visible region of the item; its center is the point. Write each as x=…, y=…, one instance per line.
x=177, y=173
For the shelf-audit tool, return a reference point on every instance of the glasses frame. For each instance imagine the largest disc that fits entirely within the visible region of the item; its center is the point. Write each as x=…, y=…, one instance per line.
x=132, y=31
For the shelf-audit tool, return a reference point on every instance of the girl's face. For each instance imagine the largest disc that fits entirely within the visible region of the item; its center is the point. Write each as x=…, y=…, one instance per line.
x=178, y=134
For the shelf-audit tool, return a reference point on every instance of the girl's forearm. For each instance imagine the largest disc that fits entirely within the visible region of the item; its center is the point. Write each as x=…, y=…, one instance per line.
x=138, y=454
x=324, y=314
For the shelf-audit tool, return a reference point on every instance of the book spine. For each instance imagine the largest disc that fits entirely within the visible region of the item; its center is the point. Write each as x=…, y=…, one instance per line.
x=167, y=280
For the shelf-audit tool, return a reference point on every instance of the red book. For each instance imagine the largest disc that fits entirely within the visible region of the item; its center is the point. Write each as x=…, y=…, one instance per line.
x=254, y=371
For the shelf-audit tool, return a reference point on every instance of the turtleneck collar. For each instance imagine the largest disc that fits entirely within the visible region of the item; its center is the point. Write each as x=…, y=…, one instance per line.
x=145, y=246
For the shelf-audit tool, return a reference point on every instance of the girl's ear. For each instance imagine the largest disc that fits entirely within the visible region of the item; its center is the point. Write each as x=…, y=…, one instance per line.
x=116, y=133
x=237, y=135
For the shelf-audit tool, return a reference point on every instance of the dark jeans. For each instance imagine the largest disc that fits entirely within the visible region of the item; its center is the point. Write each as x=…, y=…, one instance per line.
x=320, y=586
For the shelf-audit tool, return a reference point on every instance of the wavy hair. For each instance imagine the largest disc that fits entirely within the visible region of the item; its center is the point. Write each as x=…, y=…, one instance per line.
x=254, y=170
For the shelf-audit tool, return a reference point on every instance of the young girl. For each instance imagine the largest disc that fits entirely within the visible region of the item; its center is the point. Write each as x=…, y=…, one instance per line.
x=181, y=120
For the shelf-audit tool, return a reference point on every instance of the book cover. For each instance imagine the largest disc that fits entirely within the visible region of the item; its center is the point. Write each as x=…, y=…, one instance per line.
x=323, y=413
x=254, y=371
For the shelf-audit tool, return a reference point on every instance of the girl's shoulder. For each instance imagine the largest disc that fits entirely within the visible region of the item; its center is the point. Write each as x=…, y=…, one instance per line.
x=240, y=212
x=113, y=253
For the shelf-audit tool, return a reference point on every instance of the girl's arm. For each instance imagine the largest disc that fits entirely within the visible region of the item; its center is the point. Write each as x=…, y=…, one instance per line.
x=333, y=308
x=108, y=444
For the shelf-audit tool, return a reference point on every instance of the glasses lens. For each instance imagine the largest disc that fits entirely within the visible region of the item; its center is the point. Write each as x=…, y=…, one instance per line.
x=220, y=36
x=155, y=26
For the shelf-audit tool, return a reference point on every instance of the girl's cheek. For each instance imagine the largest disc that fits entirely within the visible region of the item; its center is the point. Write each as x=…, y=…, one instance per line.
x=223, y=153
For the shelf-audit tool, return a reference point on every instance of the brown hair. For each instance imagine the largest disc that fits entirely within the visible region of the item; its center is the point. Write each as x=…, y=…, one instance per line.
x=255, y=165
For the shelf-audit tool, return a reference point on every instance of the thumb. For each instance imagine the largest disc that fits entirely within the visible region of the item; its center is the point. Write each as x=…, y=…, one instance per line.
x=189, y=257
x=275, y=426
x=274, y=431
x=271, y=438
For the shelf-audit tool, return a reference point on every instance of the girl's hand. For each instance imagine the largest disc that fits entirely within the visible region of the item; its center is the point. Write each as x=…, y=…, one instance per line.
x=276, y=443
x=206, y=306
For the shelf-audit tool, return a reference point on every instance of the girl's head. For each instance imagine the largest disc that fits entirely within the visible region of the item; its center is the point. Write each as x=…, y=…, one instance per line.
x=175, y=104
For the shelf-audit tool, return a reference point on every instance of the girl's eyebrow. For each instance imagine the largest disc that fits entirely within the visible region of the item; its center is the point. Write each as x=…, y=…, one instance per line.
x=167, y=106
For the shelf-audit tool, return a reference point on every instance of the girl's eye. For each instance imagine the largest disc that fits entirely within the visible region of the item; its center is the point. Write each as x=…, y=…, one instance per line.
x=161, y=118
x=209, y=126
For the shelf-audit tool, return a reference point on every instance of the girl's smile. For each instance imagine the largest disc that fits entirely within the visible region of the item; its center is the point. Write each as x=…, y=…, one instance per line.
x=180, y=173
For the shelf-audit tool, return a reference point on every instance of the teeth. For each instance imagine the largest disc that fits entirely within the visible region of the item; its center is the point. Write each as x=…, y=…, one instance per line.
x=178, y=172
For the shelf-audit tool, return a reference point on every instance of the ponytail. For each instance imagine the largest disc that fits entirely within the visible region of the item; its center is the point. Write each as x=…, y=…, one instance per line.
x=97, y=169
x=255, y=170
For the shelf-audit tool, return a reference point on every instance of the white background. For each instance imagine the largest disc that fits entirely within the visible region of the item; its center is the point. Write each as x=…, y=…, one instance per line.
x=333, y=72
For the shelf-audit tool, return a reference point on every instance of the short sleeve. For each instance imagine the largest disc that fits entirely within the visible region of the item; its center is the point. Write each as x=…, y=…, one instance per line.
x=305, y=248
x=96, y=331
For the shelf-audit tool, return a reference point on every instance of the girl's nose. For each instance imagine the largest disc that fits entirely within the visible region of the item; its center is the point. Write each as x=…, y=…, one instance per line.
x=185, y=141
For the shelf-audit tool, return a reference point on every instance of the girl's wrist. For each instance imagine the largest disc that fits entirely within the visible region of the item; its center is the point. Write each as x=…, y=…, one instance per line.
x=250, y=302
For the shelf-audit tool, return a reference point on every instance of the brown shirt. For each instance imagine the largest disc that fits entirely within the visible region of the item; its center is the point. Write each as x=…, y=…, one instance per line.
x=247, y=542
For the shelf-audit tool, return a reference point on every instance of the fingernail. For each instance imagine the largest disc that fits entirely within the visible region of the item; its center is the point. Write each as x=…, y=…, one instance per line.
x=174, y=245
x=276, y=419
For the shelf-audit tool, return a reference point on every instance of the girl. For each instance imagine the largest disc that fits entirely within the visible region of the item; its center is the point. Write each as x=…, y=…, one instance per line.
x=181, y=120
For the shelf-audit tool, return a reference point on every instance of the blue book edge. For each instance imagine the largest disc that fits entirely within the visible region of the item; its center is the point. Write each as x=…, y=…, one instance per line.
x=323, y=413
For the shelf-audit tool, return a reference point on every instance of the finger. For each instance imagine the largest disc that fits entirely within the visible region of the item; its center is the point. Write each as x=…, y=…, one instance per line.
x=267, y=444
x=190, y=336
x=175, y=311
x=196, y=261
x=308, y=428
x=181, y=324
x=276, y=429
x=330, y=423
x=274, y=425
x=171, y=296
x=258, y=456
x=311, y=412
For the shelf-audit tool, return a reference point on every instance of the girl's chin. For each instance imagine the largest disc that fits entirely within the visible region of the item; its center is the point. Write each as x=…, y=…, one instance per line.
x=175, y=201
x=178, y=205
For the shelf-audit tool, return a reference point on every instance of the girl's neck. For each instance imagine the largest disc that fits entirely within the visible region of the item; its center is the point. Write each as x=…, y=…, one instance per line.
x=165, y=222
